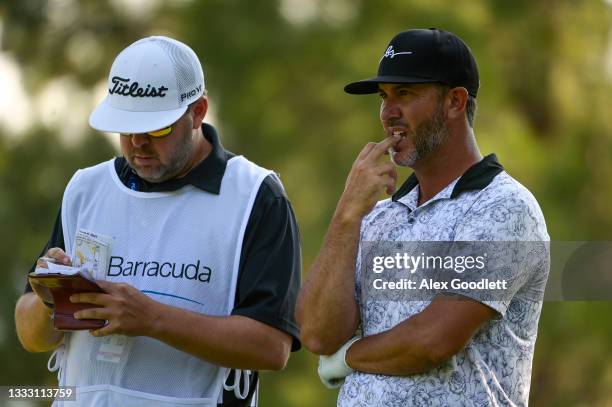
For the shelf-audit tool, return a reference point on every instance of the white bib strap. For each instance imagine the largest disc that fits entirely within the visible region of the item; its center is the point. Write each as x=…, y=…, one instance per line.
x=55, y=362
x=245, y=375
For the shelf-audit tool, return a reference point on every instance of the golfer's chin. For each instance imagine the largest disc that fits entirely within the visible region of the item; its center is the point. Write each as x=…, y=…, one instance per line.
x=405, y=157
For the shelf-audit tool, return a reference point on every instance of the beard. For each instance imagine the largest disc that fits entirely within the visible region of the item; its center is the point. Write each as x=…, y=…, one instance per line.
x=173, y=164
x=428, y=136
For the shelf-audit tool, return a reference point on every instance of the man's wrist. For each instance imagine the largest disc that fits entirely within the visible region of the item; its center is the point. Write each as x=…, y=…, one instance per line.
x=156, y=321
x=347, y=356
x=347, y=217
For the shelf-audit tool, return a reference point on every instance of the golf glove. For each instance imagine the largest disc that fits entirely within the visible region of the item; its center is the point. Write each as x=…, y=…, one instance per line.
x=333, y=368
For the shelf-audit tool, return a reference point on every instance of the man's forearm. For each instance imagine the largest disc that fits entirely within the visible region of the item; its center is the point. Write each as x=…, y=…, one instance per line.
x=232, y=341
x=34, y=326
x=327, y=311
x=423, y=341
x=391, y=353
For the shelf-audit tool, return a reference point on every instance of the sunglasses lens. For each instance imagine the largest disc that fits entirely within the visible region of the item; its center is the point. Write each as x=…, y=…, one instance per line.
x=160, y=133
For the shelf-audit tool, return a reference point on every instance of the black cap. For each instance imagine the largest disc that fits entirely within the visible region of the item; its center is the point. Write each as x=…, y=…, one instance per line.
x=423, y=56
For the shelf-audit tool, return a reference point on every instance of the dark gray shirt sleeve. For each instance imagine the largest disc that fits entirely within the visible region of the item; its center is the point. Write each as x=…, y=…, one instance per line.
x=270, y=262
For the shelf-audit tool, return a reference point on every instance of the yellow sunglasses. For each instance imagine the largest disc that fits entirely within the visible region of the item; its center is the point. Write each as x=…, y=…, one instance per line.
x=157, y=133
x=162, y=132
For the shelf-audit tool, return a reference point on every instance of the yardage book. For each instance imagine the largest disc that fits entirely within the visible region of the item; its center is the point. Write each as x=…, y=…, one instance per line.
x=61, y=282
x=90, y=259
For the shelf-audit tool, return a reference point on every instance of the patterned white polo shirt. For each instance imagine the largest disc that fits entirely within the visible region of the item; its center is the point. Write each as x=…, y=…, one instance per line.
x=494, y=369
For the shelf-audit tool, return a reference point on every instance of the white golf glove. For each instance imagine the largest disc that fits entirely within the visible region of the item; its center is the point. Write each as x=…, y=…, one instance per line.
x=333, y=368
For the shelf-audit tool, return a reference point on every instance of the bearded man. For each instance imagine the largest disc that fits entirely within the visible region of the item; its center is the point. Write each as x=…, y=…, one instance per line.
x=459, y=347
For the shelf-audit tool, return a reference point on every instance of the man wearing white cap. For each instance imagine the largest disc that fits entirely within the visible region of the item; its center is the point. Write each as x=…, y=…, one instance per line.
x=205, y=263
x=393, y=337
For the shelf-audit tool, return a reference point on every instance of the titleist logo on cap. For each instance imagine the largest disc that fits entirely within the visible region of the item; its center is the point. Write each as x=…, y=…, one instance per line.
x=124, y=87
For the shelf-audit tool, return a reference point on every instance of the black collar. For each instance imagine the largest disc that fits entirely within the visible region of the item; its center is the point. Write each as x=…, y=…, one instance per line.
x=476, y=177
x=206, y=176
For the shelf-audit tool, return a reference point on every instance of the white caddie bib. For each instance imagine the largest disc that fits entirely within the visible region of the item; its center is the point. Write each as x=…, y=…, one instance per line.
x=181, y=248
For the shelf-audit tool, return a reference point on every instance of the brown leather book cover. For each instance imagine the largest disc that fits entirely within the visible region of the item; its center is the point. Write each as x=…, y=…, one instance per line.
x=61, y=287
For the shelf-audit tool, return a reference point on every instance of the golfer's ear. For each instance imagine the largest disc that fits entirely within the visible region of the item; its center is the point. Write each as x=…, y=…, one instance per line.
x=199, y=109
x=456, y=102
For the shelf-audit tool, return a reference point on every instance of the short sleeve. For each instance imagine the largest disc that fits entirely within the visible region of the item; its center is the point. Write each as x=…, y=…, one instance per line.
x=270, y=262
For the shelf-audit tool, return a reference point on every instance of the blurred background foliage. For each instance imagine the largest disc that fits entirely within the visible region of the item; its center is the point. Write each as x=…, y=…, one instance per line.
x=275, y=71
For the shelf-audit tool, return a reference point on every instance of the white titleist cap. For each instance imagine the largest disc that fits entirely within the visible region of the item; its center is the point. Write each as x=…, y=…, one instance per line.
x=150, y=86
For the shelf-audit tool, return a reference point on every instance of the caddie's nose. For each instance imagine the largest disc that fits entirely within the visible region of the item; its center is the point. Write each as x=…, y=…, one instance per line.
x=139, y=139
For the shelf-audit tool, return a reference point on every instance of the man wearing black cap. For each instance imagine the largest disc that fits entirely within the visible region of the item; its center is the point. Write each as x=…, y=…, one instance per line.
x=447, y=350
x=203, y=275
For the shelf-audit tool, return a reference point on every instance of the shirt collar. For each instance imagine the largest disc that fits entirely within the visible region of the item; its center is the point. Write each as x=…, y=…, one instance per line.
x=477, y=177
x=206, y=176
x=411, y=199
